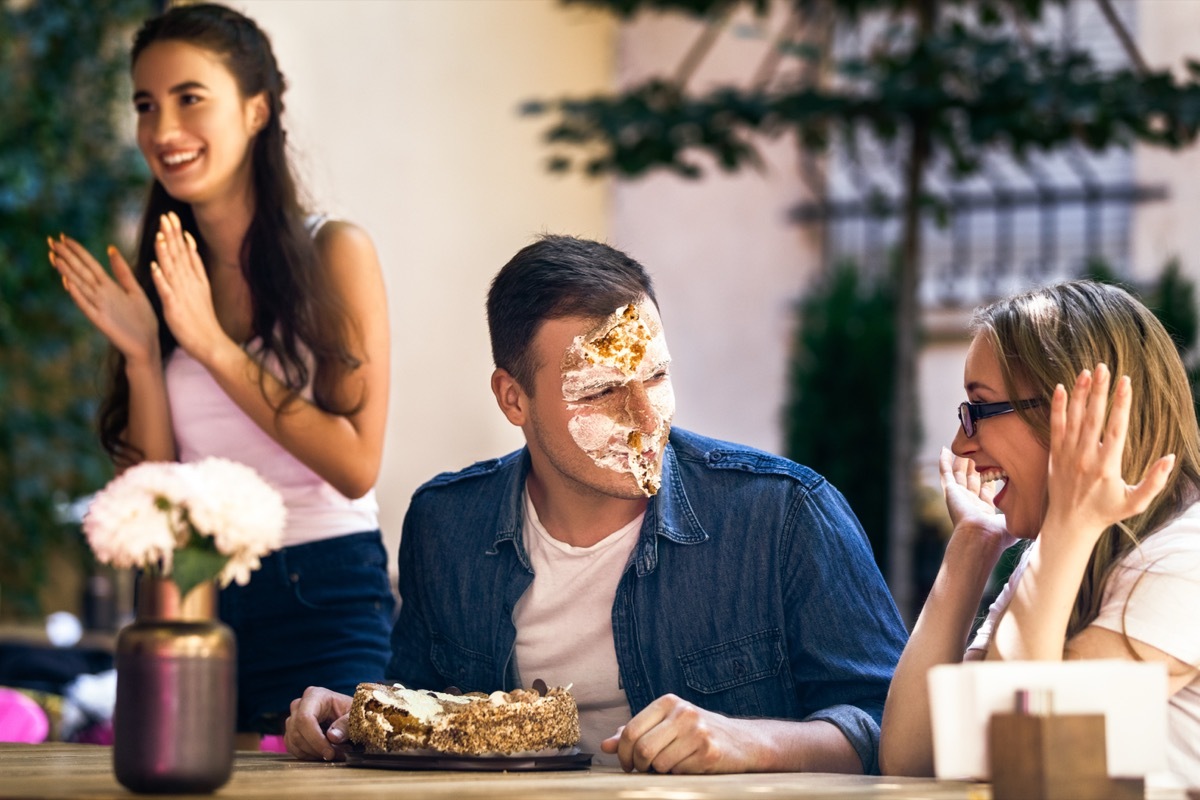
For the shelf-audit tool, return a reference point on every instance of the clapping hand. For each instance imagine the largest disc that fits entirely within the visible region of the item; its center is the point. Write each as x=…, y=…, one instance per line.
x=118, y=308
x=182, y=283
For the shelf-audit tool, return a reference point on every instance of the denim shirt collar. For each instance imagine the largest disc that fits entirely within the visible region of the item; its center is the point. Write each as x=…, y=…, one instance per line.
x=669, y=514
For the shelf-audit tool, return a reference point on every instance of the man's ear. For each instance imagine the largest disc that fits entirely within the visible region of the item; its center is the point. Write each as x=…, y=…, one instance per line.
x=511, y=398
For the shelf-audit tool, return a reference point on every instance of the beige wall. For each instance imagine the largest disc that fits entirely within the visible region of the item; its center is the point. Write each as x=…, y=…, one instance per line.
x=728, y=264
x=1167, y=34
x=404, y=118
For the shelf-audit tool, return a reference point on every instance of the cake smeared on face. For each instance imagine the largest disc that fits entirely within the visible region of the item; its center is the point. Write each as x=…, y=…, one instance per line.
x=387, y=719
x=616, y=383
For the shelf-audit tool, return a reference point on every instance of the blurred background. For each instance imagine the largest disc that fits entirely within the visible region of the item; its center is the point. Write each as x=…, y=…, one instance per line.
x=822, y=191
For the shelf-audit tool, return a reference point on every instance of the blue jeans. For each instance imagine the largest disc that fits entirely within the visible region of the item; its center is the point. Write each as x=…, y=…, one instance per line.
x=315, y=614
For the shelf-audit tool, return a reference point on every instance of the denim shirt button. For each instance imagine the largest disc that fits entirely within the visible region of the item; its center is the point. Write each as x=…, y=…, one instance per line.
x=716, y=458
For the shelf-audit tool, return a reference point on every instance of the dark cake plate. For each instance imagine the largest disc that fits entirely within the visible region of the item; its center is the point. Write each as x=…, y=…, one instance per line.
x=355, y=757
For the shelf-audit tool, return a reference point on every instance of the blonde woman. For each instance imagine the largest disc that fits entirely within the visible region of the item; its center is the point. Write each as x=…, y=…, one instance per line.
x=1079, y=433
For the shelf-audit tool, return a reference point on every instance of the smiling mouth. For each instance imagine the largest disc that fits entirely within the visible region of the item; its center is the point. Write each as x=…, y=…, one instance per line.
x=179, y=158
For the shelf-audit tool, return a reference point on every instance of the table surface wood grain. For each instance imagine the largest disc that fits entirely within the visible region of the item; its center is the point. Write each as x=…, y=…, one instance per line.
x=85, y=771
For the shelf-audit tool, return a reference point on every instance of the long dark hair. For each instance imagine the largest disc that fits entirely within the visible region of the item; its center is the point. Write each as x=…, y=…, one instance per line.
x=299, y=319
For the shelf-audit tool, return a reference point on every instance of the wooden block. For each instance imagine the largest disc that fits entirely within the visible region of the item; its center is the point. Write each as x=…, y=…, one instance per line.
x=1053, y=758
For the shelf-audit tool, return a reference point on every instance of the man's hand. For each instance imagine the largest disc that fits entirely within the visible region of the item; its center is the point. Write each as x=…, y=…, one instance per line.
x=672, y=735
x=306, y=735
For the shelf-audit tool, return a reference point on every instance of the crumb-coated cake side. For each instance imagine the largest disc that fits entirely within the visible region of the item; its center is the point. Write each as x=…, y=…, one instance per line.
x=385, y=719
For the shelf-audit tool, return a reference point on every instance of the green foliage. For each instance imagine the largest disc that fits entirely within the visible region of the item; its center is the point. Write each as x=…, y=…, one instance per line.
x=1173, y=301
x=968, y=79
x=64, y=166
x=841, y=378
x=994, y=11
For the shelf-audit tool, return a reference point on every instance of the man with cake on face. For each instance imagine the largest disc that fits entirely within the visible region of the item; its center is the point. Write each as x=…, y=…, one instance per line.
x=712, y=608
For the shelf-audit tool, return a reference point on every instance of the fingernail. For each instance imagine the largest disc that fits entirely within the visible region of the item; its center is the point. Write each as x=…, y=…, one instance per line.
x=164, y=221
x=191, y=242
x=66, y=285
x=53, y=263
x=50, y=241
x=62, y=237
x=175, y=221
x=112, y=251
x=336, y=734
x=154, y=267
x=159, y=238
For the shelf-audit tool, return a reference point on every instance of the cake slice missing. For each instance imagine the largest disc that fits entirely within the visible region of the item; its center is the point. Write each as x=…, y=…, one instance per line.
x=390, y=719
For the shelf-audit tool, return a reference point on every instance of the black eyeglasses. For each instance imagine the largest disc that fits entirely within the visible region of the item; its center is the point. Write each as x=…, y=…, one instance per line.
x=970, y=413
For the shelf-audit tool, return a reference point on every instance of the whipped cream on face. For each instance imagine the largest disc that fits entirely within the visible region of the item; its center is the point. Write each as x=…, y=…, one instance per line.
x=609, y=424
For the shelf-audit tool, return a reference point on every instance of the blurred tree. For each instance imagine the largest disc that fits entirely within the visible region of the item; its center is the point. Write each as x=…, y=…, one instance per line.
x=840, y=383
x=65, y=164
x=935, y=79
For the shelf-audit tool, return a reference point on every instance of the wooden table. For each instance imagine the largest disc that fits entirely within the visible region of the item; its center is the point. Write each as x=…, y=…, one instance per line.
x=85, y=771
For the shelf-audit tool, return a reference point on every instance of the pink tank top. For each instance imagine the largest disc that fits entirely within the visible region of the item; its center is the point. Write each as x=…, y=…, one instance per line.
x=208, y=423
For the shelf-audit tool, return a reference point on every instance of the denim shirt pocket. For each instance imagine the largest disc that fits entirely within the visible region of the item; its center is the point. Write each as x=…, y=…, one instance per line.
x=735, y=677
x=466, y=669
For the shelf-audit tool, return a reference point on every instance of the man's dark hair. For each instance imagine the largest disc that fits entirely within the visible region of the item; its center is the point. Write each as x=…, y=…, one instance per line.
x=555, y=277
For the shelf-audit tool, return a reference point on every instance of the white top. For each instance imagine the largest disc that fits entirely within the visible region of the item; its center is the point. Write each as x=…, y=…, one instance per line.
x=564, y=625
x=1153, y=596
x=207, y=422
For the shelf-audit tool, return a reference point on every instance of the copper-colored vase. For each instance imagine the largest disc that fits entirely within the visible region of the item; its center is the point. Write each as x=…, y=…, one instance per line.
x=173, y=726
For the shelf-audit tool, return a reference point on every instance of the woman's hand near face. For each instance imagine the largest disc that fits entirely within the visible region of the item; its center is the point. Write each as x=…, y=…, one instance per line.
x=182, y=283
x=969, y=501
x=1087, y=492
x=118, y=308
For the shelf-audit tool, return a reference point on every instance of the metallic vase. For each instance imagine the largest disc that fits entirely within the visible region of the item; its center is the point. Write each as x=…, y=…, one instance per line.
x=173, y=726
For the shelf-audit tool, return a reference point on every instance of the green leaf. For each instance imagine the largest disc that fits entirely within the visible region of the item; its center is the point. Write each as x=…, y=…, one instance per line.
x=194, y=566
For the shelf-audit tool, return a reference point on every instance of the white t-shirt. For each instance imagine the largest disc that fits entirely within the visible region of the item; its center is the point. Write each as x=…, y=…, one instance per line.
x=1153, y=596
x=564, y=625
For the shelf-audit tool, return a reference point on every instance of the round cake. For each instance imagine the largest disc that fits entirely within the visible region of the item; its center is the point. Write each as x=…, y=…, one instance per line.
x=390, y=719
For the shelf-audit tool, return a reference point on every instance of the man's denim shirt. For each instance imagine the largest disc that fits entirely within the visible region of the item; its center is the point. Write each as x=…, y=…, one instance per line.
x=751, y=591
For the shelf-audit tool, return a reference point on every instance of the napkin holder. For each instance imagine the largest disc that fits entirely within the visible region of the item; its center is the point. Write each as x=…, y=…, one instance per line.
x=1037, y=755
x=964, y=697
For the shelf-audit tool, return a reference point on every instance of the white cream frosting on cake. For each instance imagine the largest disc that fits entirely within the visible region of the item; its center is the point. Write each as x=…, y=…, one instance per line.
x=386, y=719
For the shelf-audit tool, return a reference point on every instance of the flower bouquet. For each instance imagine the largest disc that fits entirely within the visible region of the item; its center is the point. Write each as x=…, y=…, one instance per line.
x=194, y=522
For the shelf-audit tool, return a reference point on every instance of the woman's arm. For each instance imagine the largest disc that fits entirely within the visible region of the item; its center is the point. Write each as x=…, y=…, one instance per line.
x=121, y=311
x=345, y=450
x=1087, y=494
x=906, y=736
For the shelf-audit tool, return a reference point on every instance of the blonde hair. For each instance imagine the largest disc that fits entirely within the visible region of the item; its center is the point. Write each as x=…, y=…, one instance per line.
x=1048, y=336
